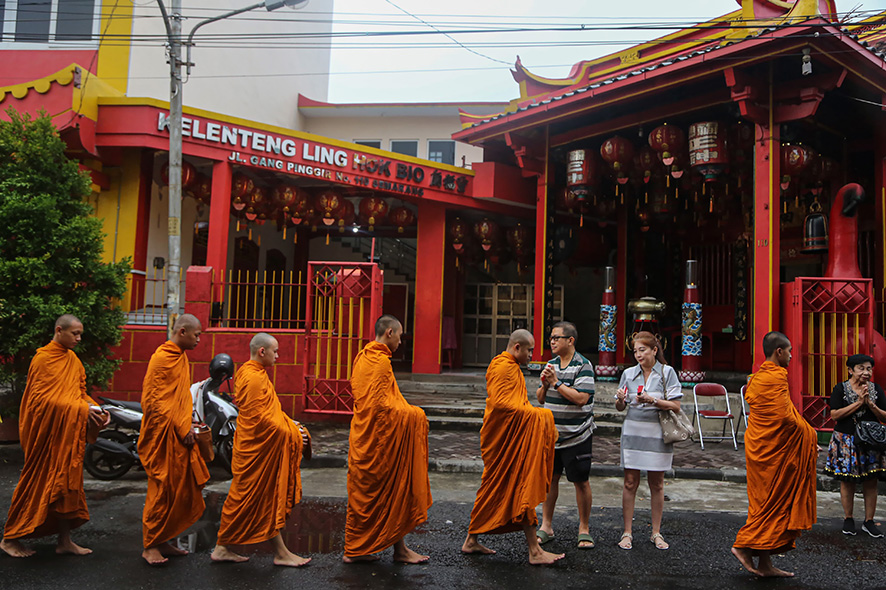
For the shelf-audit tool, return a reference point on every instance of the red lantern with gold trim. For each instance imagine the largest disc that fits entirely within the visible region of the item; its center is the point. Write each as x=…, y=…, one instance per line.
x=202, y=189
x=520, y=239
x=189, y=174
x=241, y=187
x=346, y=214
x=645, y=162
x=402, y=217
x=285, y=196
x=796, y=159
x=301, y=209
x=618, y=152
x=667, y=140
x=487, y=232
x=373, y=211
x=328, y=206
x=460, y=234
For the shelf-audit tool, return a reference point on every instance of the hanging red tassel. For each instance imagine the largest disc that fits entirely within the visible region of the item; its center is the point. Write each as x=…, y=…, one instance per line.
x=249, y=234
x=284, y=232
x=327, y=239
x=238, y=225
x=259, y=239
x=581, y=220
x=646, y=198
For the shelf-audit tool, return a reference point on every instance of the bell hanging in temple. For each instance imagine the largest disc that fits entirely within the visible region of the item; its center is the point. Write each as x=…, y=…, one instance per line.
x=815, y=231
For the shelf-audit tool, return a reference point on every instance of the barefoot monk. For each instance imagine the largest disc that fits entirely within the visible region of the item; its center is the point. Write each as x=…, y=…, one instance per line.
x=176, y=472
x=54, y=413
x=267, y=452
x=388, y=488
x=517, y=444
x=780, y=449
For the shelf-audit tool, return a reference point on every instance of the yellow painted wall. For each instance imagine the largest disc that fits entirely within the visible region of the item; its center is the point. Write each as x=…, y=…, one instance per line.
x=113, y=53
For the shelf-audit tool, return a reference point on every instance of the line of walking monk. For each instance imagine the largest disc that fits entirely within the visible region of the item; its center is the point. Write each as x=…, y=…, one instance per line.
x=388, y=486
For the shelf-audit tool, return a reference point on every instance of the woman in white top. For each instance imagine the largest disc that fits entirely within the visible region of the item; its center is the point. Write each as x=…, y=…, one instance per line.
x=646, y=389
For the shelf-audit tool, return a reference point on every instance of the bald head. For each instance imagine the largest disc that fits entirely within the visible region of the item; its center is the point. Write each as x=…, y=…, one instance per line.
x=263, y=349
x=521, y=337
x=66, y=321
x=259, y=341
x=186, y=332
x=385, y=323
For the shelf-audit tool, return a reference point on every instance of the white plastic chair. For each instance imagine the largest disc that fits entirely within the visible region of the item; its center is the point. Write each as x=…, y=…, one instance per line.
x=714, y=390
x=745, y=412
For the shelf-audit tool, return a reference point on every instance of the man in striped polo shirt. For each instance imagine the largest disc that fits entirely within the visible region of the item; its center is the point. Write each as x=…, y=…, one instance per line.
x=567, y=389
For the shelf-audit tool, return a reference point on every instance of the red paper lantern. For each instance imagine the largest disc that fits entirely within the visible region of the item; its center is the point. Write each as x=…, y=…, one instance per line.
x=645, y=162
x=241, y=187
x=795, y=160
x=285, y=196
x=666, y=140
x=301, y=209
x=346, y=214
x=459, y=232
x=487, y=232
x=520, y=239
x=203, y=189
x=189, y=174
x=618, y=153
x=708, y=149
x=373, y=211
x=327, y=205
x=402, y=217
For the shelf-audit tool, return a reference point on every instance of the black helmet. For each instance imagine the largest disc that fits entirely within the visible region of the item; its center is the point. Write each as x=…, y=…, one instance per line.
x=221, y=368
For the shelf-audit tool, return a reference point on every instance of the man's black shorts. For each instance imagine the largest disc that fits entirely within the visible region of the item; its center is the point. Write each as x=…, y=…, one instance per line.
x=576, y=460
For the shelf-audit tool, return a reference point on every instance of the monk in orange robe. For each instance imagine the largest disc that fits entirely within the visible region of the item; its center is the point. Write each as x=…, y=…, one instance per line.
x=388, y=488
x=517, y=444
x=781, y=450
x=176, y=472
x=54, y=413
x=267, y=452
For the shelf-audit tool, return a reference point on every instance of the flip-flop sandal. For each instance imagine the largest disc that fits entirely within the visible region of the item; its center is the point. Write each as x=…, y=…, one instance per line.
x=659, y=542
x=586, y=538
x=543, y=537
x=630, y=539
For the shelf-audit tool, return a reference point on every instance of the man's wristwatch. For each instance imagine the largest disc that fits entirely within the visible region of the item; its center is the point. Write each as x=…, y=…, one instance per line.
x=557, y=385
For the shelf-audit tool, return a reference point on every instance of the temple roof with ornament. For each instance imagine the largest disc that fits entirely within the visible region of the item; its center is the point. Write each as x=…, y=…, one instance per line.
x=752, y=21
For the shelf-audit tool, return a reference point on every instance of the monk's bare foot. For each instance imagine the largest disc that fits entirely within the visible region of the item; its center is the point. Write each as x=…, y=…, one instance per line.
x=746, y=559
x=14, y=548
x=542, y=557
x=153, y=556
x=407, y=555
x=223, y=554
x=69, y=547
x=169, y=550
x=360, y=559
x=774, y=572
x=291, y=560
x=472, y=546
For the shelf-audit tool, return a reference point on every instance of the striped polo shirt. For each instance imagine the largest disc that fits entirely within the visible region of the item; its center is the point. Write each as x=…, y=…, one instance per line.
x=574, y=423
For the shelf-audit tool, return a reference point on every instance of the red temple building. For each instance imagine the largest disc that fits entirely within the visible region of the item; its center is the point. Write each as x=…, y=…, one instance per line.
x=725, y=144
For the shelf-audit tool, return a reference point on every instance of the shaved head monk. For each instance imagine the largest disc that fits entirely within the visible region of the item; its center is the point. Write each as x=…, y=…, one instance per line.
x=517, y=444
x=267, y=452
x=176, y=472
x=54, y=413
x=388, y=488
x=781, y=450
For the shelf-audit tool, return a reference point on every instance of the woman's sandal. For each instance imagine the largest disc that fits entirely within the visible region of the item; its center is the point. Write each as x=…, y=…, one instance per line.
x=659, y=541
x=629, y=544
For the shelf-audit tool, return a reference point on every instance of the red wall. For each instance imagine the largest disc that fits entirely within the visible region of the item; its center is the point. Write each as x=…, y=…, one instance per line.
x=40, y=63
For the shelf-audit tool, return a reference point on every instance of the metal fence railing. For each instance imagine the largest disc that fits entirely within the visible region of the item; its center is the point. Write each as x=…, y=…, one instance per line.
x=262, y=300
x=146, y=301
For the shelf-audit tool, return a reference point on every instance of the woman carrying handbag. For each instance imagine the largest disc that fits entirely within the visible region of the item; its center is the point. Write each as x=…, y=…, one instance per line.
x=646, y=389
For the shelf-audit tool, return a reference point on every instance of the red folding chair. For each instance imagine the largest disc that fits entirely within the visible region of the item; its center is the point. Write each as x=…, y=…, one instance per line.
x=714, y=390
x=745, y=412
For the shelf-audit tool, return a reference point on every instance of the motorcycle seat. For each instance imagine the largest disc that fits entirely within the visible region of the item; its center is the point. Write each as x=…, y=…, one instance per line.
x=136, y=406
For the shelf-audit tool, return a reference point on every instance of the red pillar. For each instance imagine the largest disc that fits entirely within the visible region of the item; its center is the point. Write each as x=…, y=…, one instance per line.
x=430, y=256
x=219, y=224
x=767, y=214
x=880, y=233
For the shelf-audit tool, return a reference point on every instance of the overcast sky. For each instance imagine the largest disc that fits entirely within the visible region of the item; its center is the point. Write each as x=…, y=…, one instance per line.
x=434, y=68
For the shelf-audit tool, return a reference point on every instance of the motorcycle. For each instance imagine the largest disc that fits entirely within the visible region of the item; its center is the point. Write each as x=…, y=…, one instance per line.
x=115, y=451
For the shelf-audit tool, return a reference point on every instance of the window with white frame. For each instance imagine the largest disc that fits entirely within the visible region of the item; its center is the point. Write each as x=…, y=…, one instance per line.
x=442, y=151
x=47, y=21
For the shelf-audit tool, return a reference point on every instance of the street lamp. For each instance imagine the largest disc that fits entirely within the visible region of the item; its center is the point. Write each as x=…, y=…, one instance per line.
x=173, y=25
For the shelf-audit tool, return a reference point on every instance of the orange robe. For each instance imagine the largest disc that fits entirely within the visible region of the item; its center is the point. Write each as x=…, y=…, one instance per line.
x=176, y=473
x=388, y=488
x=267, y=453
x=517, y=445
x=781, y=452
x=52, y=426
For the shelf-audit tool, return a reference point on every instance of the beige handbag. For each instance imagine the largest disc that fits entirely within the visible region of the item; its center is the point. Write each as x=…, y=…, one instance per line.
x=675, y=426
x=203, y=440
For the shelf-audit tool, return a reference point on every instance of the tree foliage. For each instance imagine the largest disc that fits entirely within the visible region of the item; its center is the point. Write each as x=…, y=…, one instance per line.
x=51, y=255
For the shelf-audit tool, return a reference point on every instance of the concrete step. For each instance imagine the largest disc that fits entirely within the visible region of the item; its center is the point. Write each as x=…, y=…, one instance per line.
x=442, y=388
x=473, y=424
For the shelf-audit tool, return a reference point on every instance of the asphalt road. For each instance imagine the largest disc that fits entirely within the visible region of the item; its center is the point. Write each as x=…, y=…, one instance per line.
x=700, y=524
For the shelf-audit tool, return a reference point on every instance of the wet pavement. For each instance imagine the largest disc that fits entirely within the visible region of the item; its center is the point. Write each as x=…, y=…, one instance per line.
x=700, y=523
